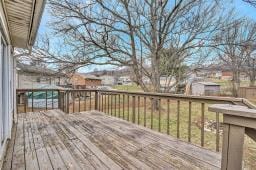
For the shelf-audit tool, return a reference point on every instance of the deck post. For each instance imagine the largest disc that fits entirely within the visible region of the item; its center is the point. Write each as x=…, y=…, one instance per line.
x=96, y=100
x=133, y=109
x=68, y=94
x=238, y=120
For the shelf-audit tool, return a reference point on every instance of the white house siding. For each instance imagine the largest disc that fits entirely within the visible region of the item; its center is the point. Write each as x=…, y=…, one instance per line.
x=108, y=80
x=28, y=81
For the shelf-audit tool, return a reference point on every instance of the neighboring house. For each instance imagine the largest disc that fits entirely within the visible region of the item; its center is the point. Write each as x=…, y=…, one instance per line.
x=228, y=75
x=205, y=89
x=124, y=80
x=19, y=21
x=82, y=81
x=217, y=71
x=108, y=80
x=30, y=77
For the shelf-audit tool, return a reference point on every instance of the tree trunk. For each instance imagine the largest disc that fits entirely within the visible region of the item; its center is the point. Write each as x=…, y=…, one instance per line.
x=235, y=82
x=252, y=81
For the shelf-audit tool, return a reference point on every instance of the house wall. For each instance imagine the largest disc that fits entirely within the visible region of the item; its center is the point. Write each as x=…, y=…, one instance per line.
x=108, y=80
x=91, y=83
x=7, y=89
x=77, y=80
x=30, y=81
x=81, y=82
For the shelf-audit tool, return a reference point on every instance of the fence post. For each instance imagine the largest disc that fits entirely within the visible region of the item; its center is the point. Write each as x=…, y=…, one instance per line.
x=96, y=100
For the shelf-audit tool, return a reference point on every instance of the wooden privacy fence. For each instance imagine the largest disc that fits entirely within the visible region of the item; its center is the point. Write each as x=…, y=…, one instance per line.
x=247, y=92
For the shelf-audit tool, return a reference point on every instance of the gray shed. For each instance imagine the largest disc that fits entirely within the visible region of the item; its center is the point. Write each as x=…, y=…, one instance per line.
x=205, y=89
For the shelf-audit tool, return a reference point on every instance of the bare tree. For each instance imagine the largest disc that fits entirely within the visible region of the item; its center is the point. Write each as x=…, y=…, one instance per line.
x=233, y=52
x=133, y=33
x=250, y=64
x=252, y=2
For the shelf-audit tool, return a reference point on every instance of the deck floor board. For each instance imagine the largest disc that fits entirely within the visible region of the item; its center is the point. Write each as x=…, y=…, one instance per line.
x=94, y=140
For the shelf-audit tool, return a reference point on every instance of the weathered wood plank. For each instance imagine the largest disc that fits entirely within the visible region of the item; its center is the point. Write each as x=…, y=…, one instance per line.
x=49, y=141
x=107, y=144
x=9, y=155
x=92, y=140
x=18, y=161
x=104, y=158
x=198, y=154
x=65, y=155
x=41, y=150
x=30, y=152
x=101, y=127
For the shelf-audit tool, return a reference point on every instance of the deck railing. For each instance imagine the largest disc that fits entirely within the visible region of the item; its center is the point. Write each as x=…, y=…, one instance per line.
x=185, y=117
x=162, y=112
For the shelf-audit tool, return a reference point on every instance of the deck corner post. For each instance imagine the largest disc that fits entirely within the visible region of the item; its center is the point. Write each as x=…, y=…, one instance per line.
x=237, y=121
x=232, y=147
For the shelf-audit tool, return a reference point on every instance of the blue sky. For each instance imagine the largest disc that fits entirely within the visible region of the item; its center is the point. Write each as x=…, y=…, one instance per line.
x=242, y=9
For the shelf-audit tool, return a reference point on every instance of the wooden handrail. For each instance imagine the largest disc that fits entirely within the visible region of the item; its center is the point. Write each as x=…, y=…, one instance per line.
x=238, y=120
x=239, y=101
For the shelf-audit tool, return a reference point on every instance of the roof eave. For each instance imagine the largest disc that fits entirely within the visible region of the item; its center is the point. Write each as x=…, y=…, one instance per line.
x=36, y=19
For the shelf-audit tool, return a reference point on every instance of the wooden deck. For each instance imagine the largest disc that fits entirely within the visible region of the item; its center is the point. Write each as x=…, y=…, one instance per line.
x=93, y=140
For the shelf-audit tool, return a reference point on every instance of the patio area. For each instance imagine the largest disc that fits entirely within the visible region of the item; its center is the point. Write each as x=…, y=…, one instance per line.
x=93, y=140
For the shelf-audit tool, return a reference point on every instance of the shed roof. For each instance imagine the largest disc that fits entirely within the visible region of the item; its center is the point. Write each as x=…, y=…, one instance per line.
x=208, y=83
x=23, y=18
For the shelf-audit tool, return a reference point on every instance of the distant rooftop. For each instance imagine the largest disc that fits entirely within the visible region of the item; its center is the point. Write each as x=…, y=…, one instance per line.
x=26, y=68
x=89, y=76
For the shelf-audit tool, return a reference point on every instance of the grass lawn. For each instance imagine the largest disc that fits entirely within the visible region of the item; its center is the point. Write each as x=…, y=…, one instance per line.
x=132, y=88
